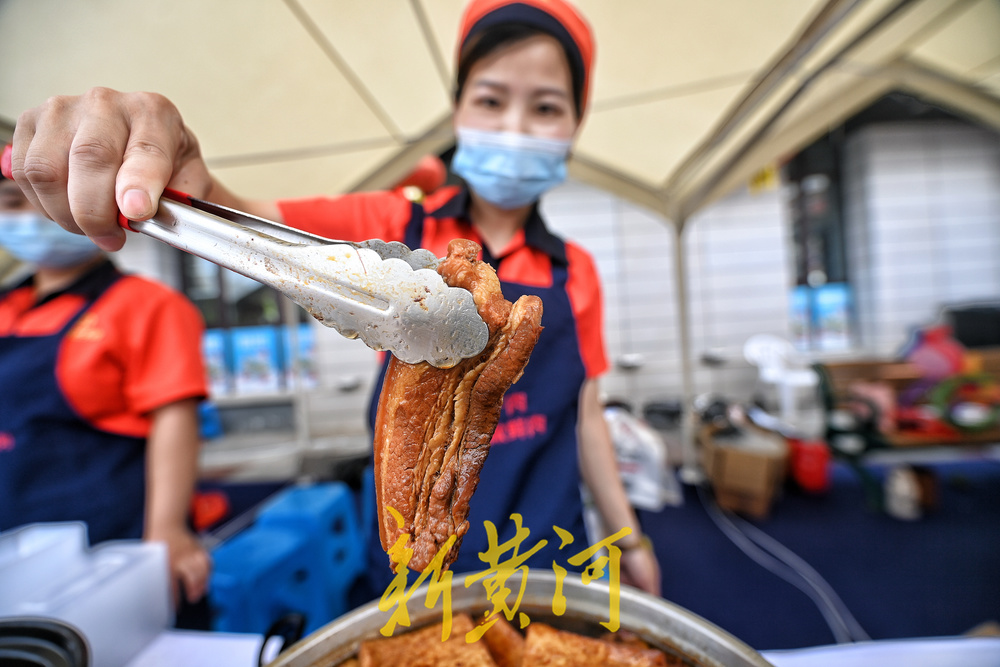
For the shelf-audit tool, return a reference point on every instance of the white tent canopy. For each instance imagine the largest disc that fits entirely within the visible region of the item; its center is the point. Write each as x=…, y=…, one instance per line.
x=302, y=97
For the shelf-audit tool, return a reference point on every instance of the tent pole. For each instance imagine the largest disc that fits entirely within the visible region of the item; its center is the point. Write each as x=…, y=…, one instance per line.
x=690, y=471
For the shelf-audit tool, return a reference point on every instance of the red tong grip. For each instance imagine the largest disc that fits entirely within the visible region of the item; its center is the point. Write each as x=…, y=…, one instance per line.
x=5, y=167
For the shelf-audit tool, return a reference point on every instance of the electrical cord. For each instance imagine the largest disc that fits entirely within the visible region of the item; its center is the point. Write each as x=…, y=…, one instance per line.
x=796, y=562
x=782, y=562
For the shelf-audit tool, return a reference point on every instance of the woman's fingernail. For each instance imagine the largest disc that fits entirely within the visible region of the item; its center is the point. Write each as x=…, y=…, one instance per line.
x=136, y=204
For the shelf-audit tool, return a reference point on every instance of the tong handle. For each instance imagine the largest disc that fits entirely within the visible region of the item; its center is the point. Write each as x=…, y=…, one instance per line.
x=386, y=301
x=418, y=258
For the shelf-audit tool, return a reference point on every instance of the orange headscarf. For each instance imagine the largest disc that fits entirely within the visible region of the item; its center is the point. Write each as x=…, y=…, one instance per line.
x=554, y=17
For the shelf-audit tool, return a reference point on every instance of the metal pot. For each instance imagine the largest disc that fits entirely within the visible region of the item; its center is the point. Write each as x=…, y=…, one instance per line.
x=27, y=640
x=661, y=623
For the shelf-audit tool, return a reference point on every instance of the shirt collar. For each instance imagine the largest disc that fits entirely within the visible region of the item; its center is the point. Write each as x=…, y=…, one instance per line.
x=90, y=285
x=536, y=234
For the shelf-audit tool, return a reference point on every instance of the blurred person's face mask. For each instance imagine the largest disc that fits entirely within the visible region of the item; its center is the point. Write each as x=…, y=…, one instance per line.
x=509, y=170
x=33, y=238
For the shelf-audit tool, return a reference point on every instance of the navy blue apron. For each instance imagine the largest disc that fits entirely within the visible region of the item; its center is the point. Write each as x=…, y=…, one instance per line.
x=54, y=466
x=533, y=465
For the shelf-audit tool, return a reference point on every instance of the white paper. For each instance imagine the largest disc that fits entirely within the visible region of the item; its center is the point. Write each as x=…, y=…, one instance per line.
x=200, y=649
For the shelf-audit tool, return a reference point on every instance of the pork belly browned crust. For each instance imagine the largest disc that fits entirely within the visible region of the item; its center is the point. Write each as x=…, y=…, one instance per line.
x=547, y=646
x=506, y=645
x=433, y=429
x=424, y=648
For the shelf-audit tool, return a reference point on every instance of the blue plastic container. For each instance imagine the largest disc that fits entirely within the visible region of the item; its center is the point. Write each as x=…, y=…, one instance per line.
x=327, y=515
x=209, y=421
x=262, y=574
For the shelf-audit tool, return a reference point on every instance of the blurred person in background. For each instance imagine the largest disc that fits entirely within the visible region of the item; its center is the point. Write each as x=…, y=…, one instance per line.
x=100, y=378
x=523, y=75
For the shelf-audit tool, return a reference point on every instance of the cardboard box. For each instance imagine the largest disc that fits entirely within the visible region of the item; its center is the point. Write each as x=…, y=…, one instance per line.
x=746, y=471
x=896, y=374
x=984, y=360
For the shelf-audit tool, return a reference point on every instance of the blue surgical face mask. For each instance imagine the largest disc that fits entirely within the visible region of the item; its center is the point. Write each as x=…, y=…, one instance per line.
x=33, y=238
x=509, y=170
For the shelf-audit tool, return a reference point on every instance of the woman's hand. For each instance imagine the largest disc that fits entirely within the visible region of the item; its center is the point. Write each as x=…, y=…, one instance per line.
x=641, y=569
x=82, y=159
x=190, y=564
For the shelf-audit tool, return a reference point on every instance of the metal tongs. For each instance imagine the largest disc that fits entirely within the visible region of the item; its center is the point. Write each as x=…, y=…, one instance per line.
x=389, y=296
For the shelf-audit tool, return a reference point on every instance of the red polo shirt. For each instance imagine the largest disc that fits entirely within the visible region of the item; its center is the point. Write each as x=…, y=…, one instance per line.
x=137, y=349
